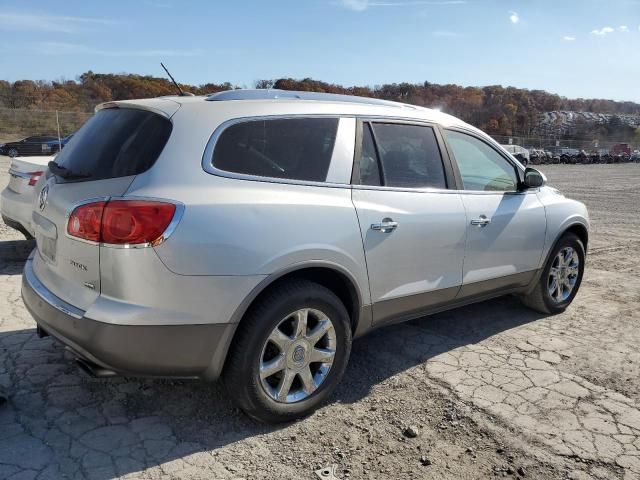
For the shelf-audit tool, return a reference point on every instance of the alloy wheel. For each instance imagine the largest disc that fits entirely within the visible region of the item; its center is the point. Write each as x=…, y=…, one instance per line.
x=563, y=274
x=298, y=355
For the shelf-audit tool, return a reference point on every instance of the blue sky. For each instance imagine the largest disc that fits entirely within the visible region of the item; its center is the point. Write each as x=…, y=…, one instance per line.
x=577, y=48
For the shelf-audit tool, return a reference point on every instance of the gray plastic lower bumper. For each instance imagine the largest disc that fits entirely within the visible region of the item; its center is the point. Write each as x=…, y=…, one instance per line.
x=139, y=350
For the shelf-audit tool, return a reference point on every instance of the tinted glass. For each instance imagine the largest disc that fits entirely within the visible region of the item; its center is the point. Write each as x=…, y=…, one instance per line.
x=291, y=148
x=115, y=142
x=481, y=167
x=409, y=155
x=369, y=170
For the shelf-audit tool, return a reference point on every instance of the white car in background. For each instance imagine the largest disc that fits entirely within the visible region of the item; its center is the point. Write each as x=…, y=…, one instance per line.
x=17, y=198
x=521, y=153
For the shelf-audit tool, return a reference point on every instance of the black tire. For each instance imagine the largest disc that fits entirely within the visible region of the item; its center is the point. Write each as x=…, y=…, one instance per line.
x=241, y=372
x=13, y=152
x=539, y=299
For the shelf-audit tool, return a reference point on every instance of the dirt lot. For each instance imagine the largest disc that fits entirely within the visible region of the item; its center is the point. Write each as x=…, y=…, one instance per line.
x=493, y=390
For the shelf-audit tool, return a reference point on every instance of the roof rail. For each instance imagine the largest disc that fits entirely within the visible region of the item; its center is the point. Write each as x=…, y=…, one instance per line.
x=275, y=94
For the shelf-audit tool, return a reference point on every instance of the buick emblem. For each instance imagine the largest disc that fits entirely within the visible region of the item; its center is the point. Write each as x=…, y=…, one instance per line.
x=299, y=354
x=42, y=198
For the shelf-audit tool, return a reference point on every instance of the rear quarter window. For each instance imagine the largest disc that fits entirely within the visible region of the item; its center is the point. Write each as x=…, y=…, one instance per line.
x=115, y=142
x=288, y=148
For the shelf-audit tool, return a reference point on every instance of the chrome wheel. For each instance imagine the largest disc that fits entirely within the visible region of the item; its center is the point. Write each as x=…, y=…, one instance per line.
x=563, y=274
x=13, y=153
x=297, y=356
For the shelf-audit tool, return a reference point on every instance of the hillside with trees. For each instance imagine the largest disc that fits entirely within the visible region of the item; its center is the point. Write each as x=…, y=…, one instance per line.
x=498, y=110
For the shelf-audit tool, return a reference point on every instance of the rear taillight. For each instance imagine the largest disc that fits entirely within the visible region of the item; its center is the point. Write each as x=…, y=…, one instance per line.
x=85, y=221
x=34, y=177
x=121, y=222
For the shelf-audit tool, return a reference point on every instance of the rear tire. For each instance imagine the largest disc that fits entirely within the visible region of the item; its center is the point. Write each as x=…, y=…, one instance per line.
x=268, y=335
x=561, y=278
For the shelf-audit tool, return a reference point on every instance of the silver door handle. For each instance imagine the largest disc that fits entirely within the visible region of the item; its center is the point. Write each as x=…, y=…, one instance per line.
x=386, y=226
x=482, y=221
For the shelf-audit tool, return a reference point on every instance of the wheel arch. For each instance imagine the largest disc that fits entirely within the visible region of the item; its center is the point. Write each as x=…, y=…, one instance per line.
x=332, y=276
x=580, y=231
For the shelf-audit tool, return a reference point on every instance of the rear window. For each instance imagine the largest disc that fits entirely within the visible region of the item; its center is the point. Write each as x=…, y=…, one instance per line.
x=291, y=148
x=115, y=142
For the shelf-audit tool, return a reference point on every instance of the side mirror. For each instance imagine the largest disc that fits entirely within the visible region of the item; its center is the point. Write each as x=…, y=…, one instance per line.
x=533, y=178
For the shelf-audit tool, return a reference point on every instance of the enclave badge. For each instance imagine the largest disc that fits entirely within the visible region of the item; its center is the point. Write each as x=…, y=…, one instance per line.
x=42, y=199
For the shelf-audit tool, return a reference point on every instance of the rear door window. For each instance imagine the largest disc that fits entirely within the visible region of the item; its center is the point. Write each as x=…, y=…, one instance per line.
x=115, y=142
x=407, y=156
x=369, y=164
x=291, y=148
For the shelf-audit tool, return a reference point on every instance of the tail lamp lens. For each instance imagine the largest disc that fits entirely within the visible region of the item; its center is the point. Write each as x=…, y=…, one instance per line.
x=85, y=221
x=34, y=177
x=121, y=222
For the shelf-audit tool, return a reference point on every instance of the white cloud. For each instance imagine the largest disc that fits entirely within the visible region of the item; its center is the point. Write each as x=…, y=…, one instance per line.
x=61, y=48
x=569, y=39
x=623, y=28
x=361, y=5
x=47, y=23
x=603, y=31
x=514, y=17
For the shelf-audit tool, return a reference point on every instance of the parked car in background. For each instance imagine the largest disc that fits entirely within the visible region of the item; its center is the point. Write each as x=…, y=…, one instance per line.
x=17, y=198
x=621, y=149
x=252, y=234
x=30, y=146
x=56, y=145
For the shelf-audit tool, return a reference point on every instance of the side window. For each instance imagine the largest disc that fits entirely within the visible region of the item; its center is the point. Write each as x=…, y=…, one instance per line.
x=291, y=148
x=408, y=154
x=481, y=167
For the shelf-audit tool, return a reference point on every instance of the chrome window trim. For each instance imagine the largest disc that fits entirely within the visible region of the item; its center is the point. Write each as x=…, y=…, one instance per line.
x=177, y=217
x=207, y=156
x=438, y=190
x=38, y=287
x=403, y=189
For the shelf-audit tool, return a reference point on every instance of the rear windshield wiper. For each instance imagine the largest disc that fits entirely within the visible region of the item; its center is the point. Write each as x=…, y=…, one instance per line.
x=64, y=172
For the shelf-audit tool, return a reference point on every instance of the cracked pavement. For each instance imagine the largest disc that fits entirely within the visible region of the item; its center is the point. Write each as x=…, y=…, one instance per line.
x=492, y=388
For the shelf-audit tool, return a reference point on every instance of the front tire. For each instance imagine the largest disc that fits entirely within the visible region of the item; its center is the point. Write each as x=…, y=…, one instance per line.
x=13, y=152
x=290, y=352
x=561, y=277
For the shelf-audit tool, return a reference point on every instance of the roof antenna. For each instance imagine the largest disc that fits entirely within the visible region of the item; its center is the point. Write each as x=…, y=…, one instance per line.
x=180, y=92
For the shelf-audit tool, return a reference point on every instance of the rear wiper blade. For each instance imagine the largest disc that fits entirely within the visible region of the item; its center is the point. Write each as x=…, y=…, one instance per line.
x=65, y=172
x=74, y=176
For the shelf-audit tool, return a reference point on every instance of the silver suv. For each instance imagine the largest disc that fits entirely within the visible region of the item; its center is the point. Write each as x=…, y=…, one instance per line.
x=251, y=235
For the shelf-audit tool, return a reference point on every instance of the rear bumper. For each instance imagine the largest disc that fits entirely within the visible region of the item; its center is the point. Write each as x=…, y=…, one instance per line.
x=16, y=210
x=185, y=351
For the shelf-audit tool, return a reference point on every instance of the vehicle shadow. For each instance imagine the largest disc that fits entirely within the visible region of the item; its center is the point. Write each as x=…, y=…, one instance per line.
x=13, y=254
x=62, y=421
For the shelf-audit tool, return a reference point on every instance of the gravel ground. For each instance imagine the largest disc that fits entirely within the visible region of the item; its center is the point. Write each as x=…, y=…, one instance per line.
x=490, y=390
